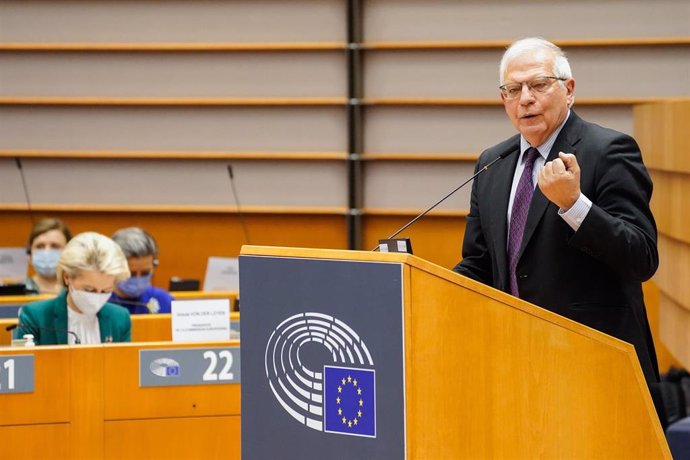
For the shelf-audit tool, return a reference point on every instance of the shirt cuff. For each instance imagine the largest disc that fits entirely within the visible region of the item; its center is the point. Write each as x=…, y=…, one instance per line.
x=577, y=213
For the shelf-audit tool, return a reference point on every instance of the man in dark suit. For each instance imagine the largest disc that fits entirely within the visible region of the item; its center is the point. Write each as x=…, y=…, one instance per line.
x=566, y=226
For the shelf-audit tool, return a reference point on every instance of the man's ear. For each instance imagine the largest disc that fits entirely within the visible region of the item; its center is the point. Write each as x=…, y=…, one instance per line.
x=570, y=88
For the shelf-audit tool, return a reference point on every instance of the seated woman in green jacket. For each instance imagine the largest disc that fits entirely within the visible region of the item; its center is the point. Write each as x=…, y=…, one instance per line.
x=89, y=267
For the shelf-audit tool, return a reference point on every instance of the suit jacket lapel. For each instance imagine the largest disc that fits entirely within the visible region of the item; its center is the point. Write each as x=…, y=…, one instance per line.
x=60, y=313
x=502, y=180
x=105, y=326
x=565, y=142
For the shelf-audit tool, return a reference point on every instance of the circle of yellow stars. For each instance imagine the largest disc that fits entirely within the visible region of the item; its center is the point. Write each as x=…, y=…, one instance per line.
x=355, y=420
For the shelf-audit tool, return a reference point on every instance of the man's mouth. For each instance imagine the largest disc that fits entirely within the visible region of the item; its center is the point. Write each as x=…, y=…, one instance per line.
x=529, y=115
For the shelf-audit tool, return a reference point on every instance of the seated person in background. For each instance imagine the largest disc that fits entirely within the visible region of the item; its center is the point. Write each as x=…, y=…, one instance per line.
x=136, y=293
x=89, y=267
x=47, y=239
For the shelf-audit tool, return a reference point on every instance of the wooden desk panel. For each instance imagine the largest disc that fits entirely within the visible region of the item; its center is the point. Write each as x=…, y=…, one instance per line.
x=13, y=300
x=87, y=404
x=152, y=328
x=23, y=299
x=27, y=442
x=5, y=335
x=200, y=437
x=145, y=328
x=50, y=401
x=125, y=400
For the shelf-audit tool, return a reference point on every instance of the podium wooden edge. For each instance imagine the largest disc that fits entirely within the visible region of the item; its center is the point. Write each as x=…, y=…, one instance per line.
x=441, y=272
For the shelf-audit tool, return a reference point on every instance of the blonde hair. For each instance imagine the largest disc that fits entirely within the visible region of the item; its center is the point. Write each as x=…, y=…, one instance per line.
x=91, y=251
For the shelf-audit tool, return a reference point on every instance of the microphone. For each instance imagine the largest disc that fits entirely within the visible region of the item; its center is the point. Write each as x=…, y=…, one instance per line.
x=240, y=215
x=152, y=306
x=18, y=161
x=127, y=302
x=503, y=155
x=34, y=329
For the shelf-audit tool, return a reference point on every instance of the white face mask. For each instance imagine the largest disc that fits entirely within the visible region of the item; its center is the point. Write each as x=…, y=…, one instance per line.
x=90, y=303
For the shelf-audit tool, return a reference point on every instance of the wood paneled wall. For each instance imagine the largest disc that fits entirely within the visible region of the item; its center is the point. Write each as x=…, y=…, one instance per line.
x=187, y=240
x=107, y=109
x=662, y=130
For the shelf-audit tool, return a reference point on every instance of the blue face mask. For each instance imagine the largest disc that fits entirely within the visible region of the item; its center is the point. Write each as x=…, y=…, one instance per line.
x=45, y=261
x=134, y=286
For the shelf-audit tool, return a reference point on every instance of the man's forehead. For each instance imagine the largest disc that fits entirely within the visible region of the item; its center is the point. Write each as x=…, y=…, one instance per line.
x=542, y=59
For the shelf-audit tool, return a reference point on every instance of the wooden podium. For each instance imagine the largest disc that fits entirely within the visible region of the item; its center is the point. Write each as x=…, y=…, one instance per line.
x=485, y=375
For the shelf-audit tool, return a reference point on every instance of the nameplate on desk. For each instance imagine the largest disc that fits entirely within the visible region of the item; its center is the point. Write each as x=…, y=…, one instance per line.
x=17, y=374
x=189, y=366
x=200, y=320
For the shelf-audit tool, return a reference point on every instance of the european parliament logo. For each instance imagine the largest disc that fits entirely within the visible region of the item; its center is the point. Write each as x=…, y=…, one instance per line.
x=350, y=401
x=338, y=398
x=165, y=367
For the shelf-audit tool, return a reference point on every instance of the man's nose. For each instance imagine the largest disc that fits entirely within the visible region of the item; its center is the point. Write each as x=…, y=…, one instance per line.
x=526, y=96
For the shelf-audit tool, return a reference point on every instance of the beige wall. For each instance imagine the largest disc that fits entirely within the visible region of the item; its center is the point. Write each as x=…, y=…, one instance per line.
x=284, y=91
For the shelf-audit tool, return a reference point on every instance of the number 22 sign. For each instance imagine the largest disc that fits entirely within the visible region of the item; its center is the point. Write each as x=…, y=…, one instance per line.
x=189, y=366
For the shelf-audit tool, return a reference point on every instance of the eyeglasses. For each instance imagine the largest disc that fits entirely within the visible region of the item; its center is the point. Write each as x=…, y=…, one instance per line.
x=536, y=85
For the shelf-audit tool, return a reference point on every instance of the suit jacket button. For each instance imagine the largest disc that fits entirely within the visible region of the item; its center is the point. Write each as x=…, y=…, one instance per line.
x=522, y=277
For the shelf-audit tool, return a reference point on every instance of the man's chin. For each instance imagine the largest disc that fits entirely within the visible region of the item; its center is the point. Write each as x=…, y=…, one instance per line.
x=534, y=134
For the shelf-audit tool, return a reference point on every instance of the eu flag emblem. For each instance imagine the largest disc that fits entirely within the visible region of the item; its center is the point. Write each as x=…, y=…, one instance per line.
x=349, y=401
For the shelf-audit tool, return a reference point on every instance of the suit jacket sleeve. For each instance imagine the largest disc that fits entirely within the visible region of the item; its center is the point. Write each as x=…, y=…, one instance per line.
x=28, y=325
x=124, y=327
x=127, y=336
x=115, y=323
x=619, y=229
x=476, y=259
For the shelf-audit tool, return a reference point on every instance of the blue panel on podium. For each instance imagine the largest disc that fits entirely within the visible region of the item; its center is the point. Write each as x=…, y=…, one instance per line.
x=322, y=359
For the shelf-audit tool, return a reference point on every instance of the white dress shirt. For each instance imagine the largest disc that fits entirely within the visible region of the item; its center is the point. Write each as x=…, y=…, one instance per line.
x=86, y=327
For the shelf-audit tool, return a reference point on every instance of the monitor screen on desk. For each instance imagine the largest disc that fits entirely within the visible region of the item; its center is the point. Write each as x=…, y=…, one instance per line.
x=14, y=266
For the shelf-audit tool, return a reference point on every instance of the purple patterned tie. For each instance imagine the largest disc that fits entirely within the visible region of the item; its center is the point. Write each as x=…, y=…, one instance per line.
x=518, y=216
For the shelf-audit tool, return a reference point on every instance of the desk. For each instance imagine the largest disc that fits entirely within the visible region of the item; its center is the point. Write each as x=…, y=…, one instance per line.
x=87, y=403
x=145, y=328
x=10, y=304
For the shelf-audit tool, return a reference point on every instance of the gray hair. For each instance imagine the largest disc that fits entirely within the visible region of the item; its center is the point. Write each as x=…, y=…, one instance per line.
x=135, y=242
x=91, y=251
x=561, y=66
